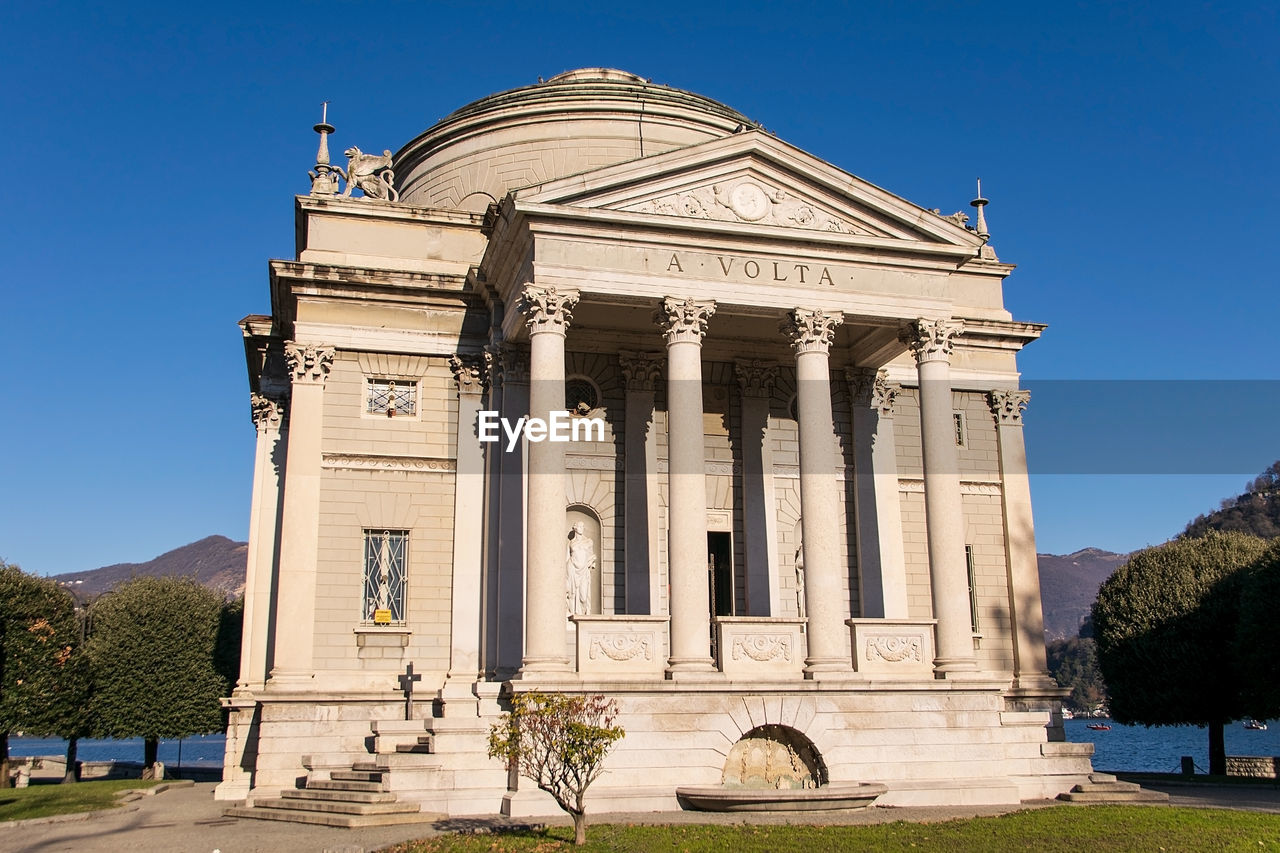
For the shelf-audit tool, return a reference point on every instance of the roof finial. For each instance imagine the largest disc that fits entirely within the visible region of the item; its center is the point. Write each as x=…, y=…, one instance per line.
x=980, y=227
x=323, y=181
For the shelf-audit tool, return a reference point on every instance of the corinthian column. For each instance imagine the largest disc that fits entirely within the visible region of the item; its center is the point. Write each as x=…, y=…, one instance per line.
x=684, y=323
x=1030, y=669
x=548, y=312
x=309, y=366
x=269, y=418
x=811, y=333
x=470, y=372
x=881, y=561
x=932, y=341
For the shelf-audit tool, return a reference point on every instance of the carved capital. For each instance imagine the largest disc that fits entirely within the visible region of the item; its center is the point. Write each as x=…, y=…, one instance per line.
x=811, y=331
x=547, y=309
x=268, y=412
x=684, y=320
x=755, y=377
x=510, y=362
x=640, y=370
x=308, y=363
x=931, y=340
x=1007, y=405
x=871, y=387
x=470, y=371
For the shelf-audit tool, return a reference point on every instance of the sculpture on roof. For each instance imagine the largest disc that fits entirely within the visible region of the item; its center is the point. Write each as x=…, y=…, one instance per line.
x=370, y=173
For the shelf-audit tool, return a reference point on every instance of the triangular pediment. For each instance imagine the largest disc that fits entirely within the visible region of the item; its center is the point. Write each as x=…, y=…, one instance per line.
x=756, y=180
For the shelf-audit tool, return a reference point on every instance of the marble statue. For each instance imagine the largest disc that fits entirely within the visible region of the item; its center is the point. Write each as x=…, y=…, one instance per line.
x=580, y=562
x=371, y=173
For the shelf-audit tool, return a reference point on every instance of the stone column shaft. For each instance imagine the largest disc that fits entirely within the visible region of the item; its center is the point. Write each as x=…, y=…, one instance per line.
x=470, y=373
x=932, y=342
x=811, y=333
x=760, y=515
x=299, y=539
x=549, y=312
x=684, y=322
x=640, y=371
x=1030, y=667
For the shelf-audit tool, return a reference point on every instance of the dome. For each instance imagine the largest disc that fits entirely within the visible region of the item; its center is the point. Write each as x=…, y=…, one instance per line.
x=574, y=122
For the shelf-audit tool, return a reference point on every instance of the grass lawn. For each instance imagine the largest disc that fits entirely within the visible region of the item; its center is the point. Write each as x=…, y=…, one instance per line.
x=46, y=800
x=1069, y=829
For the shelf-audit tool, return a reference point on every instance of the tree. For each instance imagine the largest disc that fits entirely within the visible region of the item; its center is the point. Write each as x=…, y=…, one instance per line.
x=560, y=742
x=1073, y=663
x=40, y=693
x=1165, y=625
x=1256, y=511
x=153, y=647
x=1258, y=642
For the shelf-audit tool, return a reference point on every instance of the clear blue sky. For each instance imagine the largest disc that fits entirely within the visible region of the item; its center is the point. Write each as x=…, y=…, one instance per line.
x=1130, y=153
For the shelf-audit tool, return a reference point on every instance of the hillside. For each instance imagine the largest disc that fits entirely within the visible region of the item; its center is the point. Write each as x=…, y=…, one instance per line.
x=215, y=561
x=1069, y=584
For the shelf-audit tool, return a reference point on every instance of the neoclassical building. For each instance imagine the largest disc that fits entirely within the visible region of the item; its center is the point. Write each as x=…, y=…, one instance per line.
x=795, y=544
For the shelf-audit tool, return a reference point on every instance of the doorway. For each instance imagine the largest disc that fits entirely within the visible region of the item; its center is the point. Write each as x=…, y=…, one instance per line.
x=720, y=573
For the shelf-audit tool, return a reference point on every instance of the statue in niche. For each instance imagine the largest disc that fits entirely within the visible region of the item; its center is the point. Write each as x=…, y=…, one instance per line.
x=580, y=562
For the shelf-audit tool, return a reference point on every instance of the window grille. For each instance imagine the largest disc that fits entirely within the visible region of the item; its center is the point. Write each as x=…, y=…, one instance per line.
x=392, y=397
x=580, y=396
x=973, y=588
x=958, y=419
x=384, y=576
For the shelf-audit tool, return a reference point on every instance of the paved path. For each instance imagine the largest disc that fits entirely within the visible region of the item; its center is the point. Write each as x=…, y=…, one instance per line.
x=189, y=820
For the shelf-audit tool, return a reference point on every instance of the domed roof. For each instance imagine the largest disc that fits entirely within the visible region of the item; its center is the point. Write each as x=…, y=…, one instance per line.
x=575, y=122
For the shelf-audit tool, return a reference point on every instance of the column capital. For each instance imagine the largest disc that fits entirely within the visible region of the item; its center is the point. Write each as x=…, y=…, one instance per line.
x=684, y=320
x=931, y=340
x=755, y=377
x=510, y=362
x=308, y=363
x=640, y=370
x=547, y=309
x=810, y=330
x=1007, y=405
x=268, y=412
x=871, y=387
x=470, y=371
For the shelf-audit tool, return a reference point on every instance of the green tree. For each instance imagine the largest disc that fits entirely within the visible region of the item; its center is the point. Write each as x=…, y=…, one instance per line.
x=153, y=647
x=1258, y=642
x=1165, y=625
x=41, y=684
x=1073, y=663
x=560, y=742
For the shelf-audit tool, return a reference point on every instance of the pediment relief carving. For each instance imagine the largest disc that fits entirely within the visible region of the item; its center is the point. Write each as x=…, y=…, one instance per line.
x=751, y=201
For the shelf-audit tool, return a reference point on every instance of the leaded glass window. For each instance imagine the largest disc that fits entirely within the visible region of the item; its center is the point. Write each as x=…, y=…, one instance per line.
x=392, y=397
x=384, y=564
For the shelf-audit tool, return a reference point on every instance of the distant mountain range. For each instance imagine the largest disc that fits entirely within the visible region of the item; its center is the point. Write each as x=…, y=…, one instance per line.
x=1068, y=583
x=215, y=561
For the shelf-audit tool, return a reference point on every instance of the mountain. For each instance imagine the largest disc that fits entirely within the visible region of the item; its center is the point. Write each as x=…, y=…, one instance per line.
x=1069, y=584
x=215, y=561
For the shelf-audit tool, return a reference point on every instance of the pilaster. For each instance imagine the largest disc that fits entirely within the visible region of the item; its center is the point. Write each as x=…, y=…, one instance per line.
x=760, y=523
x=641, y=371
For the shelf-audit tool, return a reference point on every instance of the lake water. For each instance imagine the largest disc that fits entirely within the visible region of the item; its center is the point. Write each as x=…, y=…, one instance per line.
x=1133, y=748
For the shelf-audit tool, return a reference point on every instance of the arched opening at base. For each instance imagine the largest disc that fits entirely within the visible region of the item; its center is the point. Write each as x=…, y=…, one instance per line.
x=774, y=757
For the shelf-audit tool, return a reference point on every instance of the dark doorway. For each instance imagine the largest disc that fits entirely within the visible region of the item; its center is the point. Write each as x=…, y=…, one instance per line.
x=720, y=573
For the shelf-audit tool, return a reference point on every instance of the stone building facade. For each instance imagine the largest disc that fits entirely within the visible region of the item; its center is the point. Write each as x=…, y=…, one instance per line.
x=801, y=518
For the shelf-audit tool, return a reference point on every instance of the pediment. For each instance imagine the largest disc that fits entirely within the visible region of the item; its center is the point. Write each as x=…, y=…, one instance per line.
x=756, y=180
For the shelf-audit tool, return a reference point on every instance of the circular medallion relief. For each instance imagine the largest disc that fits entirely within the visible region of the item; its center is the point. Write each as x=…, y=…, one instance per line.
x=749, y=202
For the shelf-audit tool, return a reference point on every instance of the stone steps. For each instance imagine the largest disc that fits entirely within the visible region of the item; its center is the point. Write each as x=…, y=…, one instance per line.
x=337, y=785
x=330, y=819
x=334, y=805
x=1106, y=788
x=423, y=746
x=330, y=795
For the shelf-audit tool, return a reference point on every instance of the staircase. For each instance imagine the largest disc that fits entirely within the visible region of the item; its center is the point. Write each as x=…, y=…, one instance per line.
x=403, y=776
x=1105, y=788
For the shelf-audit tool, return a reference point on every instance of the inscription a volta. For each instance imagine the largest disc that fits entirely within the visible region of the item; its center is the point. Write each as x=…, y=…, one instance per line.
x=753, y=270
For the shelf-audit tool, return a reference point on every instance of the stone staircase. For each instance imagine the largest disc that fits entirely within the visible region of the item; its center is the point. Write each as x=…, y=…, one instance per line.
x=1105, y=788
x=404, y=780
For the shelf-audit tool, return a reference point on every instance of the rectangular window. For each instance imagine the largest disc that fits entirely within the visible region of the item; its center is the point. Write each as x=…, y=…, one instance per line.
x=973, y=588
x=385, y=553
x=958, y=418
x=391, y=397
